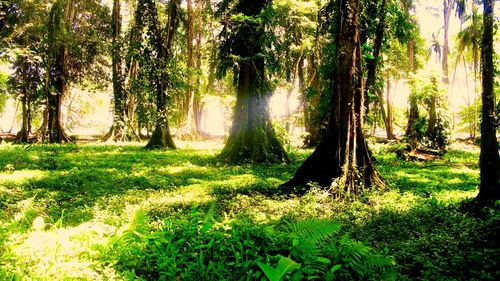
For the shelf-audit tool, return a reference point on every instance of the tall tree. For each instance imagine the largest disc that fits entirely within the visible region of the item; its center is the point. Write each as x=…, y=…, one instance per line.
x=25, y=83
x=372, y=63
x=188, y=128
x=162, y=53
x=77, y=35
x=342, y=160
x=252, y=137
x=447, y=9
x=122, y=128
x=489, y=159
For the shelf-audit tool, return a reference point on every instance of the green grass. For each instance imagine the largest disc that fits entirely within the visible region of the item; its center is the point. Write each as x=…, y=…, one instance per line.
x=118, y=212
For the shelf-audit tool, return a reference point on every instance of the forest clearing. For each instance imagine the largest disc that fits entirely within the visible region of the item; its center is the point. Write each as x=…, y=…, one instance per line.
x=249, y=140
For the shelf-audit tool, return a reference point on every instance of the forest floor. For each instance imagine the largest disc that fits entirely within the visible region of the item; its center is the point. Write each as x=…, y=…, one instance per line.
x=119, y=212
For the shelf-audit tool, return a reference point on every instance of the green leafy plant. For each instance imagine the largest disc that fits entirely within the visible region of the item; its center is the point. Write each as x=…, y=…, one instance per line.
x=316, y=252
x=285, y=266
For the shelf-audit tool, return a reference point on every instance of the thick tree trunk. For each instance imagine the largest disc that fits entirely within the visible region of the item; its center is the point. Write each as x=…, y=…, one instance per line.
x=55, y=130
x=342, y=160
x=60, y=22
x=252, y=137
x=161, y=137
x=489, y=189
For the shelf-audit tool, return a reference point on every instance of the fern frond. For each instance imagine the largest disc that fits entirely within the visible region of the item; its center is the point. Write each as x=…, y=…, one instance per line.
x=315, y=230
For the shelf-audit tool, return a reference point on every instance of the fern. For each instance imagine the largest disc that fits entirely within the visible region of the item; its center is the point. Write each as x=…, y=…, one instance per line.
x=315, y=230
x=323, y=255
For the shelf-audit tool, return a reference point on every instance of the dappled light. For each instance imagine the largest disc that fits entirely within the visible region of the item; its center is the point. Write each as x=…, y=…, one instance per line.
x=265, y=140
x=61, y=216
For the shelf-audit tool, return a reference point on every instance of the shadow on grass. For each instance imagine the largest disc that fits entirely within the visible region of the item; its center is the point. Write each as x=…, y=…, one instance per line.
x=450, y=173
x=77, y=179
x=434, y=241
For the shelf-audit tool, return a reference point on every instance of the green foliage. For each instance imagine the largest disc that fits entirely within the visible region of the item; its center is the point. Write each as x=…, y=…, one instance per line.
x=285, y=266
x=120, y=212
x=194, y=248
x=321, y=254
x=428, y=92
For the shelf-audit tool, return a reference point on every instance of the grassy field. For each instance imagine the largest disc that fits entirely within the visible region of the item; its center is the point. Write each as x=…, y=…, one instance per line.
x=118, y=212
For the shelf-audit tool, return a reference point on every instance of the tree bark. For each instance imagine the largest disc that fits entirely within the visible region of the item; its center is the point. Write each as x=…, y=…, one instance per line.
x=252, y=137
x=489, y=159
x=342, y=161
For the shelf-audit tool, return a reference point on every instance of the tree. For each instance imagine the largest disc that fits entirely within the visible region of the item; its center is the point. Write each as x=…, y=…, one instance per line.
x=22, y=27
x=122, y=128
x=489, y=159
x=372, y=61
x=159, y=56
x=25, y=84
x=252, y=137
x=188, y=128
x=342, y=160
x=77, y=33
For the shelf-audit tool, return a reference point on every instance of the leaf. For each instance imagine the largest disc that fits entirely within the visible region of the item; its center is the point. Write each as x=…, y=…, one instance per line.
x=335, y=268
x=270, y=272
x=286, y=265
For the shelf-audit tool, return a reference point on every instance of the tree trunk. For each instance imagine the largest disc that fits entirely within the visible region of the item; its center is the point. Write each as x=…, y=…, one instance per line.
x=389, y=123
x=489, y=160
x=22, y=135
x=161, y=137
x=414, y=115
x=55, y=128
x=121, y=130
x=342, y=160
x=371, y=65
x=447, y=7
x=431, y=126
x=58, y=70
x=252, y=137
x=314, y=116
x=197, y=106
x=188, y=128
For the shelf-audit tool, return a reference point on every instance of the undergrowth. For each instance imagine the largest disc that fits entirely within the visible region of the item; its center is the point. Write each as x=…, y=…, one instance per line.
x=118, y=212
